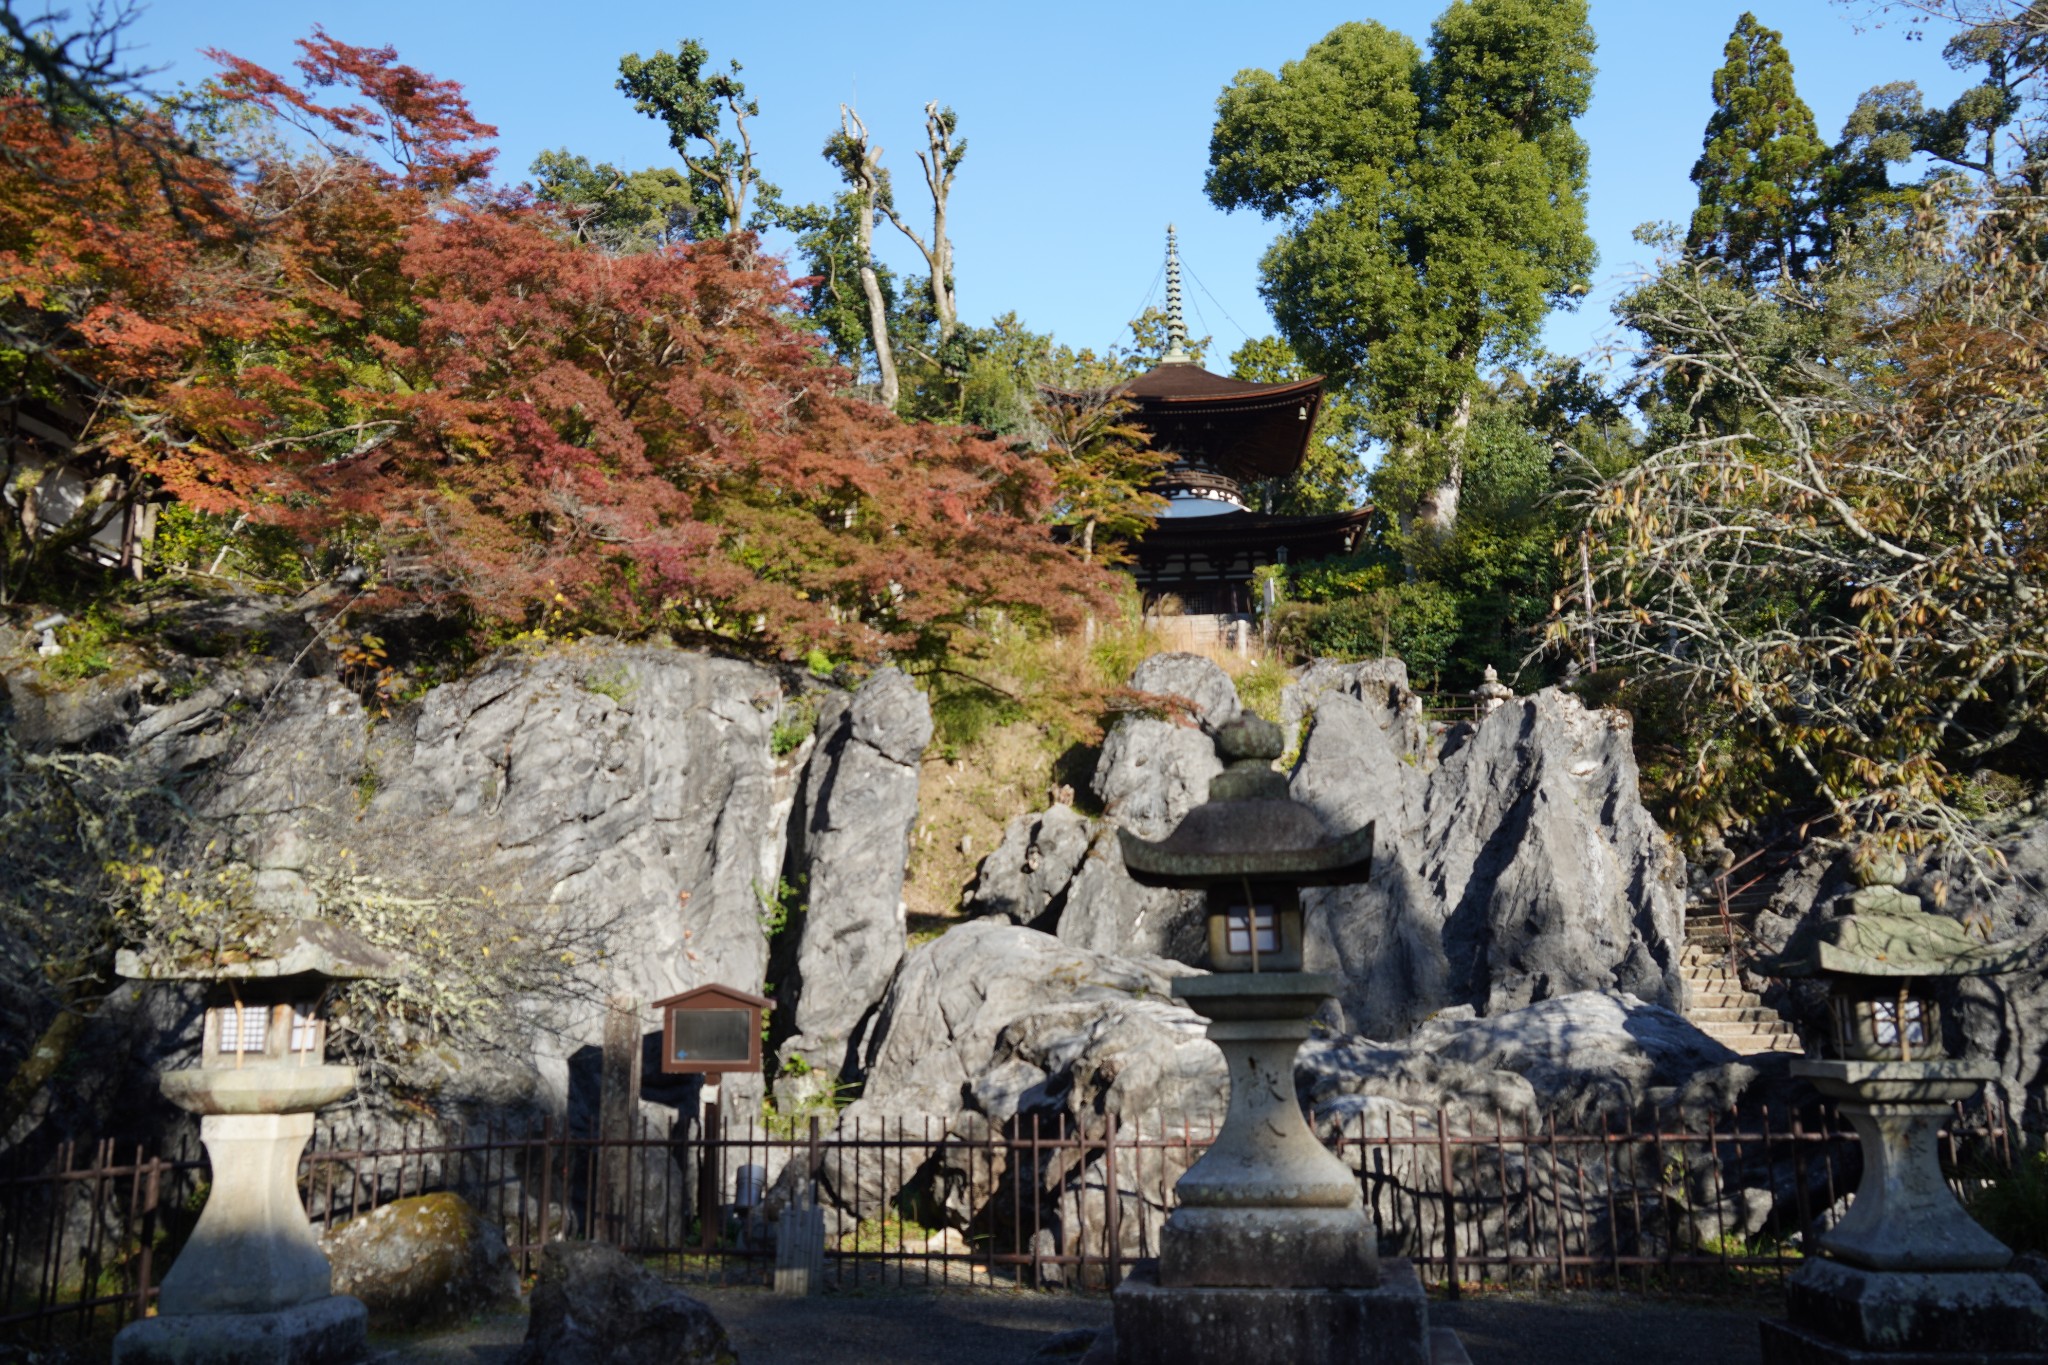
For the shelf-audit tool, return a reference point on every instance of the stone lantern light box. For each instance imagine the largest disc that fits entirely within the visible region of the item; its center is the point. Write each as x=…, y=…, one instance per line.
x=1251, y=848
x=711, y=1030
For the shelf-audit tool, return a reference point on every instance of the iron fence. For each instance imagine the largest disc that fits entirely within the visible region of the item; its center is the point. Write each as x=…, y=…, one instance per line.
x=1042, y=1201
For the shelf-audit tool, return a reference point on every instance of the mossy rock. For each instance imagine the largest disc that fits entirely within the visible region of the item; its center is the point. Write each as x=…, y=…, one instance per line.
x=421, y=1262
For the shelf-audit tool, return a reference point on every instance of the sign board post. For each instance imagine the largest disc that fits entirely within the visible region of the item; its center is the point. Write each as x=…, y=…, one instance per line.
x=707, y=1032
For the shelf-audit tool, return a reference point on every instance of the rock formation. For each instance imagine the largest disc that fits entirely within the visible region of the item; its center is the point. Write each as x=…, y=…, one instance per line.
x=1515, y=861
x=849, y=845
x=996, y=1024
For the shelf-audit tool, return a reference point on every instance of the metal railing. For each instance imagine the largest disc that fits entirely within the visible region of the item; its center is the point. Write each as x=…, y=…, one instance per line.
x=1038, y=1202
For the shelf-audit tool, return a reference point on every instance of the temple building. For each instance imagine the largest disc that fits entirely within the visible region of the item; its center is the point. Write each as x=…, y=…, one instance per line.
x=1224, y=434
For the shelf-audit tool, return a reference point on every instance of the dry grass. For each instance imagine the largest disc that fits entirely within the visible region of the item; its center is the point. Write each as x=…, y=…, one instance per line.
x=1001, y=751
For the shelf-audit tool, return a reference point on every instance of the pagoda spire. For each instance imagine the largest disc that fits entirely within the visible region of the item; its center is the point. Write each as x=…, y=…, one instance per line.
x=1176, y=325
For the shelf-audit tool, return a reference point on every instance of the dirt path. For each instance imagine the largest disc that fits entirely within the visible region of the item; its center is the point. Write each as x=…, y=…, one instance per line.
x=1007, y=1327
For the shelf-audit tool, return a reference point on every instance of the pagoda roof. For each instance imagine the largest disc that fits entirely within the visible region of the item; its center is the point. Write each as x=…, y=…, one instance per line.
x=1247, y=430
x=1183, y=382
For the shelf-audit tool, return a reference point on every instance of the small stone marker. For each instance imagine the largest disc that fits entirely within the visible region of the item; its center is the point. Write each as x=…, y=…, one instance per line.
x=800, y=1244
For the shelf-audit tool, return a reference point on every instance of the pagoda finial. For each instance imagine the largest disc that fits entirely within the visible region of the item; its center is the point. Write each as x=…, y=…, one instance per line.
x=1176, y=325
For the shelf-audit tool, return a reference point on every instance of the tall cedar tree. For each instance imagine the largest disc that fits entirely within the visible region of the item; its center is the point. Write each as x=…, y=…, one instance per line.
x=519, y=424
x=1434, y=209
x=1761, y=172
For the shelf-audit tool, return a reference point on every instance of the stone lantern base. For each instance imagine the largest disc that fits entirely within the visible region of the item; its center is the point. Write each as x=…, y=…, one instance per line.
x=329, y=1331
x=1906, y=1278
x=1841, y=1314
x=1387, y=1324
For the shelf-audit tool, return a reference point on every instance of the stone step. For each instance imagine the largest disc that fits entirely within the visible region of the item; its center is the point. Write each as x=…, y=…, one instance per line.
x=1755, y=1015
x=1725, y=1000
x=1756, y=1045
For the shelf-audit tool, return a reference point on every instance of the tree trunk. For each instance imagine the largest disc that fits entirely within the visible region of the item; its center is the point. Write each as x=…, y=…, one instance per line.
x=1443, y=513
x=862, y=167
x=940, y=161
x=878, y=334
x=939, y=175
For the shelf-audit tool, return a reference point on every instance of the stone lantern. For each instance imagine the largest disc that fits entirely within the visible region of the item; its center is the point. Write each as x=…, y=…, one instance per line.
x=1270, y=1255
x=1492, y=693
x=1907, y=1274
x=252, y=1283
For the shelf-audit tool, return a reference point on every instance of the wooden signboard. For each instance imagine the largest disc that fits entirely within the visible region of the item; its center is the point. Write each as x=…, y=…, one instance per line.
x=710, y=1031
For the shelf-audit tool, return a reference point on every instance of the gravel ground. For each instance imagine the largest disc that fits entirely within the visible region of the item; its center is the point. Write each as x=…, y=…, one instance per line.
x=999, y=1327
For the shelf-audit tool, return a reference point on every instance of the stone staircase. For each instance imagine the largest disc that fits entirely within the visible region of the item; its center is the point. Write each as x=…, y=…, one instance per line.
x=1725, y=1011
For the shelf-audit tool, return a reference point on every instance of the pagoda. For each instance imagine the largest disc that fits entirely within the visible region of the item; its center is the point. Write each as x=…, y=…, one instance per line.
x=1224, y=434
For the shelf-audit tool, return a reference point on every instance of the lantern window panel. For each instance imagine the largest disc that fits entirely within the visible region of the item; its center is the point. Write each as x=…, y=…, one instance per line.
x=1889, y=1018
x=305, y=1029
x=244, y=1028
x=1244, y=924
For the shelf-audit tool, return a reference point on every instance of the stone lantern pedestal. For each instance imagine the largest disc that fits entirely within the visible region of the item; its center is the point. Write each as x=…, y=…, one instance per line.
x=1907, y=1277
x=251, y=1286
x=1270, y=1256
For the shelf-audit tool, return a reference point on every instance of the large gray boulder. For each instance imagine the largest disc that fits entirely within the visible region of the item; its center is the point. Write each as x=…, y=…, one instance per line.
x=1513, y=861
x=593, y=1306
x=1578, y=1058
x=1026, y=878
x=421, y=1262
x=851, y=846
x=1151, y=774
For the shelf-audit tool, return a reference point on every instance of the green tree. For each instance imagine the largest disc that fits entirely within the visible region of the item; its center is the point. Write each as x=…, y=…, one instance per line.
x=1333, y=469
x=1985, y=130
x=1760, y=172
x=1434, y=209
x=1102, y=461
x=676, y=91
x=828, y=242
x=622, y=211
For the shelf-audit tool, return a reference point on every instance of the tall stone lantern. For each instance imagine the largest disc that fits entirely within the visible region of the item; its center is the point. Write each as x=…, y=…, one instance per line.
x=1270, y=1256
x=252, y=1284
x=1907, y=1275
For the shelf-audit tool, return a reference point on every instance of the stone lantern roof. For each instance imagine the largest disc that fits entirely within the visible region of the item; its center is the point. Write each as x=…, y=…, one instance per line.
x=1250, y=828
x=1882, y=931
x=299, y=948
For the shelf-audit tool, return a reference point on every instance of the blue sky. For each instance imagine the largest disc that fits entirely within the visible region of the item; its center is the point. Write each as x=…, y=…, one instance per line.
x=1087, y=124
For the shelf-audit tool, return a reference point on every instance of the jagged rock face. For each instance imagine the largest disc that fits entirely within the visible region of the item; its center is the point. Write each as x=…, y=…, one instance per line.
x=1514, y=862
x=1026, y=878
x=632, y=787
x=955, y=1000
x=1152, y=773
x=994, y=1024
x=851, y=843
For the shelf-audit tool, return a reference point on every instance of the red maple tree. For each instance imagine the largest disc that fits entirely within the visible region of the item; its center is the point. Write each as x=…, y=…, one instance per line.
x=368, y=339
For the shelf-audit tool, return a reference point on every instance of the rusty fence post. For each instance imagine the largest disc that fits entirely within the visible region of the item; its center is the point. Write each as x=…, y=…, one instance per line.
x=1443, y=1148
